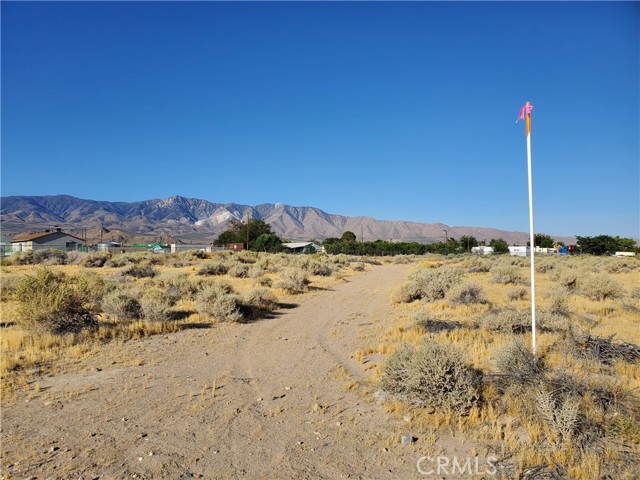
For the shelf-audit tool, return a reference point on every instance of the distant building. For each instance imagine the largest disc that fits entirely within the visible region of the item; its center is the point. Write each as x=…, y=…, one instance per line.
x=299, y=247
x=517, y=251
x=45, y=240
x=482, y=250
x=235, y=246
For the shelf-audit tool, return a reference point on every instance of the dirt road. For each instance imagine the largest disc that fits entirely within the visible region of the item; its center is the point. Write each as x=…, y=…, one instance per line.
x=270, y=399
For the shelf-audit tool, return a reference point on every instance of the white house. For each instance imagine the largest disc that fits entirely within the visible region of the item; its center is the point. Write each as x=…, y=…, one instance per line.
x=45, y=240
x=299, y=247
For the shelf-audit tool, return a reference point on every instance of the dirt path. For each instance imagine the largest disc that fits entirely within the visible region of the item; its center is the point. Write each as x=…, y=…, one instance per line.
x=269, y=399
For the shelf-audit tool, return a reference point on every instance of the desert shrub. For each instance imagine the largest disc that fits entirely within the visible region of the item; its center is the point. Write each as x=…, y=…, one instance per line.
x=545, y=265
x=428, y=284
x=194, y=255
x=340, y=259
x=51, y=256
x=156, y=305
x=506, y=275
x=256, y=271
x=518, y=364
x=54, y=303
x=559, y=304
x=122, y=304
x=8, y=286
x=239, y=271
x=214, y=267
x=359, y=266
x=96, y=260
x=567, y=279
x=140, y=271
x=122, y=259
x=396, y=371
x=260, y=300
x=264, y=281
x=517, y=294
x=94, y=287
x=467, y=293
x=599, y=287
x=220, y=302
x=20, y=258
x=247, y=257
x=423, y=320
x=478, y=265
x=294, y=280
x=506, y=320
x=561, y=416
x=635, y=293
x=433, y=376
x=176, y=285
x=319, y=268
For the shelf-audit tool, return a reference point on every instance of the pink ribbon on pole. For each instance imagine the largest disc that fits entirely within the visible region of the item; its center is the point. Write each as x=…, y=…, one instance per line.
x=525, y=109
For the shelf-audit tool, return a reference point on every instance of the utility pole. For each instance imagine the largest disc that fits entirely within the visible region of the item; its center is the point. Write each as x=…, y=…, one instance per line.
x=248, y=229
x=361, y=233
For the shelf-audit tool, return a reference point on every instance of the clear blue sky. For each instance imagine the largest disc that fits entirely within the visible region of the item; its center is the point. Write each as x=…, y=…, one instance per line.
x=398, y=111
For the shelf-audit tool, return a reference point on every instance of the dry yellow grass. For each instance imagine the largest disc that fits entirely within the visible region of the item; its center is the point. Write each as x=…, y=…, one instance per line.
x=603, y=318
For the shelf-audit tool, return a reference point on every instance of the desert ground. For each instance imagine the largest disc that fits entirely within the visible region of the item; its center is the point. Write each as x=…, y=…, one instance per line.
x=295, y=392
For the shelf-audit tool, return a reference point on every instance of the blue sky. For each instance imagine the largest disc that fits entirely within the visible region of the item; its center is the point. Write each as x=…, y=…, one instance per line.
x=400, y=111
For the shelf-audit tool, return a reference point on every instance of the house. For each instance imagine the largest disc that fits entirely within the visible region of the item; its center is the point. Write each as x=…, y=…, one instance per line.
x=300, y=247
x=46, y=240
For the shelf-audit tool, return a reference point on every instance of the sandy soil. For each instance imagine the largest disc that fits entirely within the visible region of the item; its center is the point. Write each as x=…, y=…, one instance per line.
x=270, y=399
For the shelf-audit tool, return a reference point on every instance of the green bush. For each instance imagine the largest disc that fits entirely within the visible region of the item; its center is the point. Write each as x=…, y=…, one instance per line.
x=432, y=376
x=54, y=303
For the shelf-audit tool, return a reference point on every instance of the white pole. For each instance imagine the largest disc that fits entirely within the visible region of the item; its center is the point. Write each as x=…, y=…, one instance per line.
x=531, y=241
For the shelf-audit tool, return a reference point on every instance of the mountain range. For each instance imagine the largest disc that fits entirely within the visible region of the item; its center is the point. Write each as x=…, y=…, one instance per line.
x=180, y=219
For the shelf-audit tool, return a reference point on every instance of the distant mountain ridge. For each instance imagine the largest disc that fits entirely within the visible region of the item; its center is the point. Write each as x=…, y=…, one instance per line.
x=179, y=218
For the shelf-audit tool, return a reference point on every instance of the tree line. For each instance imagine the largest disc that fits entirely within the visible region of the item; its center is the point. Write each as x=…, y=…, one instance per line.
x=261, y=238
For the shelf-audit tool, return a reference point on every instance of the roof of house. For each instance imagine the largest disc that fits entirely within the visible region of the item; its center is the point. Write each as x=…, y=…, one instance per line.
x=299, y=244
x=33, y=236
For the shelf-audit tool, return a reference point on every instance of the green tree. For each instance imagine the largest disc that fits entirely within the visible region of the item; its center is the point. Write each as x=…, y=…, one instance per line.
x=237, y=232
x=543, y=240
x=605, y=244
x=499, y=246
x=267, y=242
x=348, y=236
x=467, y=242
